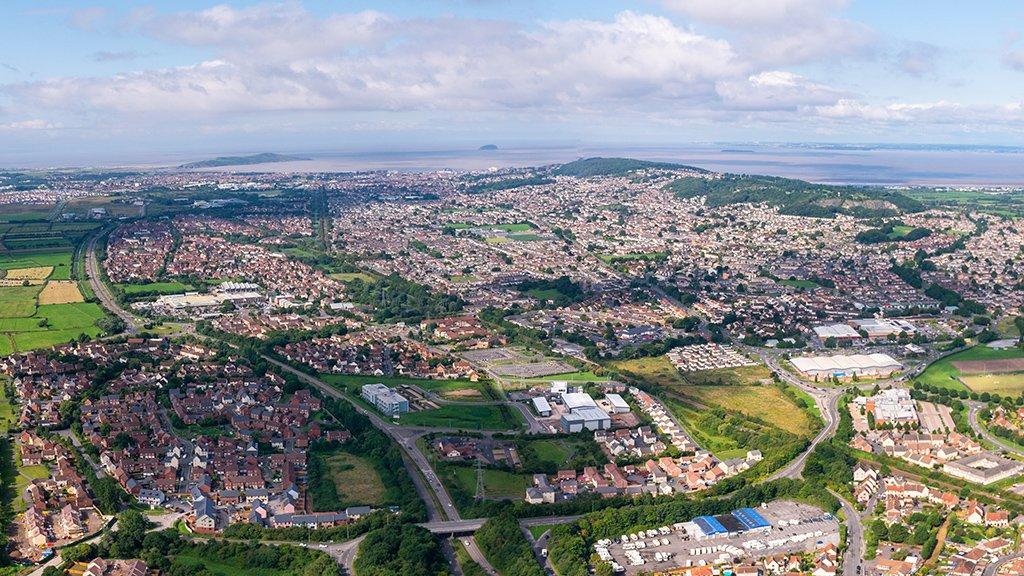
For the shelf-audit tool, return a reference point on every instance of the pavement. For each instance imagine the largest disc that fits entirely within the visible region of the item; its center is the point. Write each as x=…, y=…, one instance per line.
x=853, y=558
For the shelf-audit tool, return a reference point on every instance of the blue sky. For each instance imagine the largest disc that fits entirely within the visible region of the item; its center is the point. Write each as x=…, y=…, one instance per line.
x=82, y=80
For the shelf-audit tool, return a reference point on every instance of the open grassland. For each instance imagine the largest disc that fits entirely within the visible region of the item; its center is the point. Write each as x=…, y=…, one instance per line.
x=654, y=369
x=355, y=479
x=729, y=376
x=350, y=276
x=497, y=483
x=944, y=373
x=765, y=402
x=155, y=288
x=468, y=417
x=60, y=292
x=18, y=301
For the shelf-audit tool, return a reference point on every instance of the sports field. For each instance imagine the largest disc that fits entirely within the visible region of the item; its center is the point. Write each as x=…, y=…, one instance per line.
x=989, y=369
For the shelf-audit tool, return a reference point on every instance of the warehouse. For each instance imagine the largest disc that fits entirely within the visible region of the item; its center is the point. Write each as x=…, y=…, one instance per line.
x=737, y=522
x=585, y=419
x=882, y=327
x=874, y=365
x=574, y=401
x=839, y=332
x=541, y=406
x=617, y=403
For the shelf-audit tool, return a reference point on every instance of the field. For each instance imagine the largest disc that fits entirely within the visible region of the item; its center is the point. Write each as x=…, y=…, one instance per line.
x=36, y=274
x=729, y=376
x=355, y=479
x=944, y=373
x=525, y=237
x=60, y=292
x=654, y=369
x=59, y=260
x=497, y=483
x=28, y=320
x=350, y=276
x=353, y=382
x=469, y=417
x=496, y=240
x=805, y=284
x=765, y=402
x=458, y=389
x=155, y=288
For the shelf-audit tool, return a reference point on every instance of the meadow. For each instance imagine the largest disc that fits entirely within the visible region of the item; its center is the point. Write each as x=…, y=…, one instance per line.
x=40, y=316
x=154, y=288
x=355, y=479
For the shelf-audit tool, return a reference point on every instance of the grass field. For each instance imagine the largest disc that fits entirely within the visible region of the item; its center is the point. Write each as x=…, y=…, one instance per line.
x=18, y=301
x=60, y=260
x=7, y=415
x=350, y=276
x=24, y=325
x=729, y=376
x=525, y=237
x=765, y=402
x=581, y=376
x=805, y=284
x=552, y=450
x=155, y=288
x=944, y=374
x=1004, y=384
x=720, y=445
x=654, y=369
x=469, y=417
x=463, y=390
x=60, y=292
x=496, y=240
x=497, y=483
x=353, y=382
x=355, y=479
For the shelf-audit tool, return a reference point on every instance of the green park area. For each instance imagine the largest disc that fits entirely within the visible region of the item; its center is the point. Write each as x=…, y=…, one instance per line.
x=979, y=369
x=467, y=417
x=498, y=484
x=154, y=288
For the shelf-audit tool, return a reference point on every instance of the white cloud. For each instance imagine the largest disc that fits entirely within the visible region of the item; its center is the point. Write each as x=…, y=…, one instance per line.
x=775, y=90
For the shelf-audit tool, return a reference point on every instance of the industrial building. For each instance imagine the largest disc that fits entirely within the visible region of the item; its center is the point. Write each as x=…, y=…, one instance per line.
x=839, y=332
x=617, y=403
x=541, y=406
x=384, y=399
x=735, y=523
x=873, y=365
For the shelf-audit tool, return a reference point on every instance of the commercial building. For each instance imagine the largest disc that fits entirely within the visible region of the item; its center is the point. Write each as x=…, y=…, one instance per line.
x=983, y=468
x=737, y=522
x=892, y=406
x=839, y=332
x=541, y=406
x=574, y=401
x=585, y=419
x=617, y=403
x=385, y=399
x=873, y=365
x=882, y=327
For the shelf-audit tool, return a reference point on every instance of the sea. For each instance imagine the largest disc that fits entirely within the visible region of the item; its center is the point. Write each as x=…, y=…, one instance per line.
x=888, y=165
x=867, y=165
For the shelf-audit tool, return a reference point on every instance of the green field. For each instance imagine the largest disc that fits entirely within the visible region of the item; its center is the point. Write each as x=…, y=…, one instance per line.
x=27, y=326
x=765, y=402
x=496, y=240
x=355, y=479
x=943, y=374
x=654, y=369
x=7, y=411
x=497, y=483
x=350, y=276
x=525, y=237
x=805, y=284
x=155, y=288
x=581, y=376
x=469, y=417
x=60, y=260
x=729, y=376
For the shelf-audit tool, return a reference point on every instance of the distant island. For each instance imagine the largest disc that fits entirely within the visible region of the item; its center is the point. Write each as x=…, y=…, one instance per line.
x=488, y=147
x=264, y=158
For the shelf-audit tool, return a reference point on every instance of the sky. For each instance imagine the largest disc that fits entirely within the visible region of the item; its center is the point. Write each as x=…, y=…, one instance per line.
x=110, y=79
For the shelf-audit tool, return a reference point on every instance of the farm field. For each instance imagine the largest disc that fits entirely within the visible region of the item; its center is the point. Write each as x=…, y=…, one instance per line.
x=60, y=292
x=30, y=320
x=59, y=260
x=945, y=374
x=765, y=402
x=469, y=417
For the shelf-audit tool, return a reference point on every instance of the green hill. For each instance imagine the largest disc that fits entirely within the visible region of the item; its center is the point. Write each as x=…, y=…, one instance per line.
x=597, y=166
x=264, y=158
x=797, y=197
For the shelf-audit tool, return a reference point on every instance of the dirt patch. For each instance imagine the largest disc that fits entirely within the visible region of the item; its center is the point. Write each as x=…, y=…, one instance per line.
x=463, y=394
x=989, y=366
x=60, y=292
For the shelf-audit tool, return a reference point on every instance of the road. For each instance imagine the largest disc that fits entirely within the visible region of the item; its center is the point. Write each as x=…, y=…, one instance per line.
x=972, y=418
x=827, y=400
x=994, y=567
x=92, y=271
x=853, y=558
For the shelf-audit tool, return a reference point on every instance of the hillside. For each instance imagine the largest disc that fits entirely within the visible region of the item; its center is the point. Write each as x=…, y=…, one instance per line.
x=264, y=158
x=797, y=197
x=597, y=166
